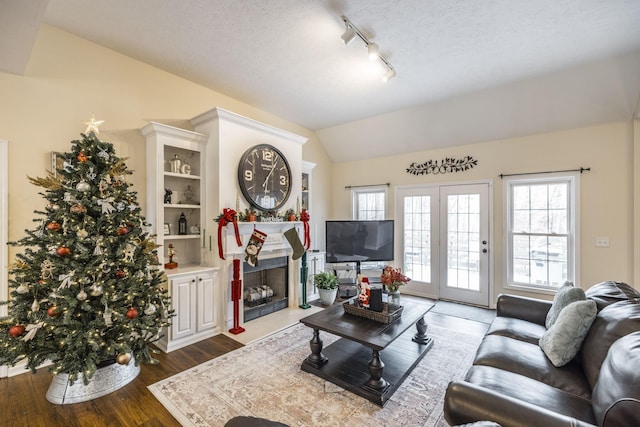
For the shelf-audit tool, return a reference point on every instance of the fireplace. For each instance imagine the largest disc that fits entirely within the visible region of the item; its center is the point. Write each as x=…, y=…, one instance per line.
x=265, y=287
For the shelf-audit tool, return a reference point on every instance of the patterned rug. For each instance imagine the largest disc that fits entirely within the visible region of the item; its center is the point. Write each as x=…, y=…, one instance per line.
x=264, y=379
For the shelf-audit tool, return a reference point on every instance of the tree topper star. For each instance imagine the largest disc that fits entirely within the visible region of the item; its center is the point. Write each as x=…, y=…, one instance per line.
x=92, y=125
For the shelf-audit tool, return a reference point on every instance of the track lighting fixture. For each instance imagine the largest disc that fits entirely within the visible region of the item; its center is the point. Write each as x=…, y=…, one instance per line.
x=350, y=33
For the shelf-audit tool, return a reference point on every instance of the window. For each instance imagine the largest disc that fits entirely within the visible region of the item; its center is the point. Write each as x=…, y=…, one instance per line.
x=541, y=227
x=369, y=203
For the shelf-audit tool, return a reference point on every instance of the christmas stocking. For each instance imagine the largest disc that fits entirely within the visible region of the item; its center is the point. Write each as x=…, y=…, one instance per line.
x=294, y=241
x=253, y=247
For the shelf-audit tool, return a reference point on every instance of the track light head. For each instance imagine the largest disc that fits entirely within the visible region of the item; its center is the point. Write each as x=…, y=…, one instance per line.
x=391, y=73
x=348, y=35
x=374, y=51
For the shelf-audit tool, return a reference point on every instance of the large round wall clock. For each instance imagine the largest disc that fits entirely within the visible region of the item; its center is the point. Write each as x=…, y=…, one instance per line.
x=264, y=176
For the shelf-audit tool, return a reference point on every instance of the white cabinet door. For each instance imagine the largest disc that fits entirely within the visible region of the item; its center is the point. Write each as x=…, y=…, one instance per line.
x=206, y=306
x=183, y=298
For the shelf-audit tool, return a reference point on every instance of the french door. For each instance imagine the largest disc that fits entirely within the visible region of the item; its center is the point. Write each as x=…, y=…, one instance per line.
x=445, y=244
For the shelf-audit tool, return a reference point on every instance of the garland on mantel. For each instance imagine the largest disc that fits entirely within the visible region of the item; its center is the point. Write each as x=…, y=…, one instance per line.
x=448, y=164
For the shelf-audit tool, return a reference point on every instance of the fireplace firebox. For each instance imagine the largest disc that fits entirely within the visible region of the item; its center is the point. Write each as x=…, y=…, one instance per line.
x=265, y=287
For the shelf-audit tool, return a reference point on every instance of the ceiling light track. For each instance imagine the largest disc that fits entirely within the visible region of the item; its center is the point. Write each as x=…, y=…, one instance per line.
x=351, y=32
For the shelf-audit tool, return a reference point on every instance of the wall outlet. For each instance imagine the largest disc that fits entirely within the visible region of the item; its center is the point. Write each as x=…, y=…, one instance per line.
x=602, y=242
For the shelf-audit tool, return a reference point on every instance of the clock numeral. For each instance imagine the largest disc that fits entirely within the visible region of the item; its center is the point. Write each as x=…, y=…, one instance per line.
x=283, y=180
x=267, y=156
x=248, y=175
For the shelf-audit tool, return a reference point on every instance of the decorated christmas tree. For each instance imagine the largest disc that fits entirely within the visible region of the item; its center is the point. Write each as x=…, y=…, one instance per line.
x=86, y=289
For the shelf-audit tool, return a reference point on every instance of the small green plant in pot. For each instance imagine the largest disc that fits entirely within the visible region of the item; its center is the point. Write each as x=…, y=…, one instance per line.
x=327, y=284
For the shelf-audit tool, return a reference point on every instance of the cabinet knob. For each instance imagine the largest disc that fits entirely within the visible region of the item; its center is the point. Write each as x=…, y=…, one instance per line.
x=193, y=280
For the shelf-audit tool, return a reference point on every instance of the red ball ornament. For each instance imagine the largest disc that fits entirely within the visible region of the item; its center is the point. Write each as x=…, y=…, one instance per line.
x=132, y=313
x=52, y=311
x=121, y=231
x=120, y=274
x=54, y=226
x=63, y=251
x=16, y=331
x=82, y=157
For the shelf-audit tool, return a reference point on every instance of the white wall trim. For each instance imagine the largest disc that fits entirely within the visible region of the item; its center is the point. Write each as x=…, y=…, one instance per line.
x=4, y=224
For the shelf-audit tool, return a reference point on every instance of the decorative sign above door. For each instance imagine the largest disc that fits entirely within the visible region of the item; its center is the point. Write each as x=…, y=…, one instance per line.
x=448, y=164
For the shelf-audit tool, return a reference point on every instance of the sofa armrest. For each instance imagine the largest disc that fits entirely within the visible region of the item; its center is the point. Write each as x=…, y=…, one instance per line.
x=466, y=403
x=525, y=308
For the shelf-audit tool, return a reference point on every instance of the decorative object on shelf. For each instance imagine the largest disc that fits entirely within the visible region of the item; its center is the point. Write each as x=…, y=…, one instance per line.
x=175, y=164
x=182, y=224
x=392, y=278
x=254, y=246
x=305, y=217
x=185, y=169
x=446, y=165
x=167, y=196
x=166, y=228
x=264, y=176
x=171, y=252
x=364, y=291
x=188, y=196
x=327, y=284
x=194, y=229
x=236, y=295
x=227, y=216
x=290, y=215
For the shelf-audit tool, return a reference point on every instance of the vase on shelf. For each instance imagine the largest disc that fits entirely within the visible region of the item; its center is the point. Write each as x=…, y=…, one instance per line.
x=393, y=301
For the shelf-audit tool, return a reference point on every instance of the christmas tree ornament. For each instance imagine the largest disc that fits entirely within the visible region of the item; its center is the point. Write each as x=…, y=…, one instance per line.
x=122, y=230
x=254, y=246
x=82, y=295
x=82, y=233
x=129, y=252
x=91, y=175
x=83, y=186
x=46, y=269
x=53, y=311
x=95, y=290
x=92, y=125
x=82, y=157
x=121, y=274
x=132, y=313
x=22, y=289
x=53, y=206
x=78, y=208
x=16, y=331
x=54, y=226
x=123, y=358
x=149, y=309
x=63, y=251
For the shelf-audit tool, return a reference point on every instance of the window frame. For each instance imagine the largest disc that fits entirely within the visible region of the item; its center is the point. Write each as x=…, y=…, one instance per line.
x=572, y=179
x=355, y=192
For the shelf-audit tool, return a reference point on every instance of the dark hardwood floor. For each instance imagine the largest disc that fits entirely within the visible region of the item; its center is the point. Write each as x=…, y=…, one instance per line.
x=24, y=403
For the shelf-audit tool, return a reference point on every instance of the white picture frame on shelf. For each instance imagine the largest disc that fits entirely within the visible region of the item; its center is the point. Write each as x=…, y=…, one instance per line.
x=167, y=228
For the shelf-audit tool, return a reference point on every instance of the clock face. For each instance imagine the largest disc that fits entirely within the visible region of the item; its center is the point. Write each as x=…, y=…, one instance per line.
x=264, y=176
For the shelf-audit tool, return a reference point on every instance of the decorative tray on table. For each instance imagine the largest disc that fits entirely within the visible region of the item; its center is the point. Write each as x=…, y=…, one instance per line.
x=379, y=316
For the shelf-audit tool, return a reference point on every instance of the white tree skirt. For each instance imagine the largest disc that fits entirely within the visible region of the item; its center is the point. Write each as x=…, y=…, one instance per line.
x=106, y=380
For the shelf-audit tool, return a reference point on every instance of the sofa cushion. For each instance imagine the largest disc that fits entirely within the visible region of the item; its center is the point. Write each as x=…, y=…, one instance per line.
x=517, y=329
x=529, y=360
x=612, y=322
x=563, y=340
x=565, y=295
x=532, y=392
x=616, y=396
x=606, y=293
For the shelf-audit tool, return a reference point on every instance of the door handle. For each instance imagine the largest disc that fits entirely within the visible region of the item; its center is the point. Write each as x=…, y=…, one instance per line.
x=484, y=251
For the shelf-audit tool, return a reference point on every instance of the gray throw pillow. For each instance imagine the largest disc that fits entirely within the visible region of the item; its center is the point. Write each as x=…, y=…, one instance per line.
x=563, y=340
x=565, y=296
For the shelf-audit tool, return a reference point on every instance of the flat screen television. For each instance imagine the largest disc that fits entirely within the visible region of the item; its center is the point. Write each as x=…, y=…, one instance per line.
x=359, y=241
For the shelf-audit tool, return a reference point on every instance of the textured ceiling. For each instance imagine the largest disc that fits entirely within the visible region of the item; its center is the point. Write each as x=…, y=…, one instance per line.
x=467, y=70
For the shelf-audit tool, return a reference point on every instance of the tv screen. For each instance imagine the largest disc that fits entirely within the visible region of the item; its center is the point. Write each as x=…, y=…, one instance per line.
x=359, y=241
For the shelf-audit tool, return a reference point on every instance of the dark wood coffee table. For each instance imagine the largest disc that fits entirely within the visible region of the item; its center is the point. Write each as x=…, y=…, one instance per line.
x=371, y=359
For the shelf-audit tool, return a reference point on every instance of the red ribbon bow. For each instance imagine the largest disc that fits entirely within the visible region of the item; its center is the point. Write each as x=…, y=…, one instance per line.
x=304, y=217
x=228, y=216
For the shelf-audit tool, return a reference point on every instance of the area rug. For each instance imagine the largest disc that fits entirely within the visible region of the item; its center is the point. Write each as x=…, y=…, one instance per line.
x=264, y=379
x=463, y=311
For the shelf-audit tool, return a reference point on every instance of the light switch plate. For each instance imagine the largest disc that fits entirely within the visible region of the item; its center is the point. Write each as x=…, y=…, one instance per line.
x=602, y=242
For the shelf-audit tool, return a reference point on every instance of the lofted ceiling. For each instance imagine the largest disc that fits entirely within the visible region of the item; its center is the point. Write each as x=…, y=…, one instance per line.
x=467, y=70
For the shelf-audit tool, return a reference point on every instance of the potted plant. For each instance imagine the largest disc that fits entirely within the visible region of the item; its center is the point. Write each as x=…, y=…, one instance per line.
x=327, y=284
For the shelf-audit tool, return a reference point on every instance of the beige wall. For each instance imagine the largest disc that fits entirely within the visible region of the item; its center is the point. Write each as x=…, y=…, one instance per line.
x=68, y=79
x=606, y=192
